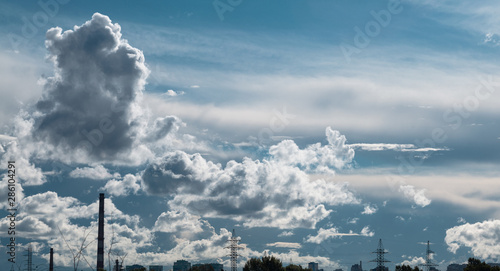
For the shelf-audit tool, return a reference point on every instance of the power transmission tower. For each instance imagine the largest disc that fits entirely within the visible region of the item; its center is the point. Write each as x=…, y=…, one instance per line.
x=30, y=260
x=380, y=260
x=233, y=253
x=428, y=259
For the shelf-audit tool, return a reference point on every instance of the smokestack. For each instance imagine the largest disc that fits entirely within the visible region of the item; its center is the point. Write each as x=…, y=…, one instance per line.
x=51, y=263
x=100, y=235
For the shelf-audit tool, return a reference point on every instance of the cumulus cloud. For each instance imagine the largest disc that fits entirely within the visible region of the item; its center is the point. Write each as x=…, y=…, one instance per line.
x=315, y=158
x=50, y=218
x=275, y=192
x=417, y=196
x=90, y=109
x=482, y=238
x=413, y=261
x=324, y=234
x=98, y=172
x=30, y=174
x=129, y=184
x=183, y=224
x=369, y=209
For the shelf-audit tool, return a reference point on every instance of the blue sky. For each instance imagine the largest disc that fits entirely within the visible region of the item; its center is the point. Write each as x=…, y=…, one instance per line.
x=313, y=128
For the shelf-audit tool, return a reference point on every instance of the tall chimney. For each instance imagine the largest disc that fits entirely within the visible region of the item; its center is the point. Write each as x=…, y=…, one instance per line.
x=51, y=263
x=100, y=235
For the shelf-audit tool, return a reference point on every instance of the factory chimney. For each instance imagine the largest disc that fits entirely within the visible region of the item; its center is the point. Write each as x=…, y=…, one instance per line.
x=100, y=235
x=51, y=263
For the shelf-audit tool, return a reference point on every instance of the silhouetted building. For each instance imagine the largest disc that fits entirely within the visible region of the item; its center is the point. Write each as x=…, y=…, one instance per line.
x=456, y=267
x=357, y=267
x=380, y=268
x=215, y=266
x=313, y=266
x=182, y=265
x=155, y=268
x=134, y=267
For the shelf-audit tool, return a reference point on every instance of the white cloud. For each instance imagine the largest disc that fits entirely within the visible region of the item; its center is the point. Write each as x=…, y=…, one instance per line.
x=324, y=234
x=394, y=147
x=30, y=174
x=367, y=232
x=274, y=192
x=284, y=245
x=413, y=261
x=482, y=238
x=285, y=233
x=183, y=224
x=173, y=93
x=98, y=172
x=353, y=220
x=91, y=108
x=129, y=184
x=369, y=209
x=417, y=196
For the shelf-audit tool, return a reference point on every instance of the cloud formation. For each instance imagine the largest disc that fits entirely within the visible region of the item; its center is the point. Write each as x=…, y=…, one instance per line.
x=284, y=245
x=325, y=234
x=90, y=109
x=98, y=172
x=274, y=192
x=129, y=185
x=482, y=238
x=417, y=196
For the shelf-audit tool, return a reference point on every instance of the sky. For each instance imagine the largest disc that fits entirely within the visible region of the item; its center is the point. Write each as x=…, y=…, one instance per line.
x=312, y=128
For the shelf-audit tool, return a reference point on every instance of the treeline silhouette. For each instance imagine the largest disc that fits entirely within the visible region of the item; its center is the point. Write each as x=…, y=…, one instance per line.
x=270, y=263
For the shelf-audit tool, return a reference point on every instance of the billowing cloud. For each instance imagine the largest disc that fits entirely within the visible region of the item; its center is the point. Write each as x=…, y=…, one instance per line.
x=413, y=261
x=98, y=172
x=482, y=238
x=324, y=234
x=129, y=184
x=275, y=192
x=183, y=224
x=90, y=109
x=91, y=102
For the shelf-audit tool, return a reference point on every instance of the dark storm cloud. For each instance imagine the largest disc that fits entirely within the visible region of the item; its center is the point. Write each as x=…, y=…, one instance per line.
x=91, y=104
